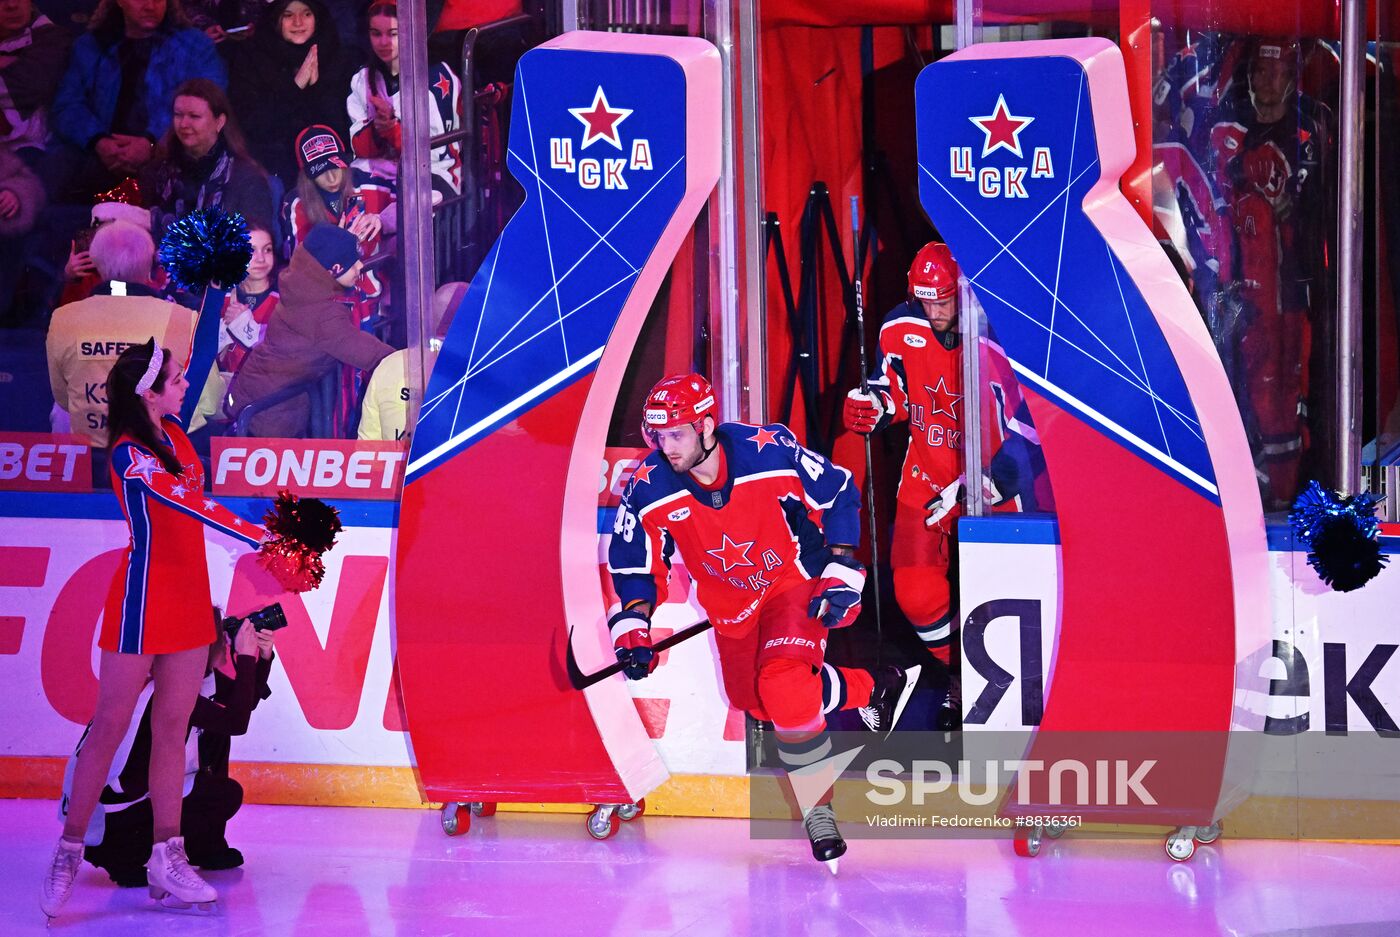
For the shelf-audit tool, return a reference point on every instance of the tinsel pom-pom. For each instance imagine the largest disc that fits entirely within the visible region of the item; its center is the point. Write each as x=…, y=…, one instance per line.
x=295, y=568
x=302, y=529
x=206, y=246
x=1340, y=536
x=309, y=521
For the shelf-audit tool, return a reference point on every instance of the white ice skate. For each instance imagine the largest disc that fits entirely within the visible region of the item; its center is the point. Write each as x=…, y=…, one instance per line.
x=58, y=883
x=172, y=882
x=827, y=843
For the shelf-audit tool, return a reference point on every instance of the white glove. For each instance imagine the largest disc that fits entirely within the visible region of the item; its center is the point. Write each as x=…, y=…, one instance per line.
x=944, y=503
x=990, y=494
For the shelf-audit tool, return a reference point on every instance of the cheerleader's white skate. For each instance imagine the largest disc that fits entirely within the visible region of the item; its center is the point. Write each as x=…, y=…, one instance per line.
x=172, y=882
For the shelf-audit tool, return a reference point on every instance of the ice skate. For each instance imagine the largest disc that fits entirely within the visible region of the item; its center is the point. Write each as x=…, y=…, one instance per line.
x=893, y=688
x=949, y=718
x=827, y=844
x=58, y=883
x=172, y=882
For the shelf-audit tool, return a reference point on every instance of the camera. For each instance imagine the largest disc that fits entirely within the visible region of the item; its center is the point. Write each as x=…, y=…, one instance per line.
x=270, y=618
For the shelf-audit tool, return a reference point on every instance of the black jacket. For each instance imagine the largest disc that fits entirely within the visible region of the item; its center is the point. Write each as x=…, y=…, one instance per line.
x=271, y=108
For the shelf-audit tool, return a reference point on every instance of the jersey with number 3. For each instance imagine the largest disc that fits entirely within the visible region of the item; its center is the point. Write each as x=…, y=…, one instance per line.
x=764, y=531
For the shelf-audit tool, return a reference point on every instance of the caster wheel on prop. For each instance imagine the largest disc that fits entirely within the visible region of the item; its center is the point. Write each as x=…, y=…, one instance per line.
x=1205, y=835
x=1027, y=842
x=483, y=810
x=1181, y=844
x=629, y=812
x=456, y=818
x=603, y=823
x=1055, y=830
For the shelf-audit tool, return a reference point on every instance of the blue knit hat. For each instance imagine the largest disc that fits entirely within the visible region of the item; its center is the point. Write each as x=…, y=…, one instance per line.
x=334, y=248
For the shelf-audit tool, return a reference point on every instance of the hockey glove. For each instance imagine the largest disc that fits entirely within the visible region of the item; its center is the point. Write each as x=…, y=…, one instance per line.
x=943, y=503
x=631, y=634
x=836, y=595
x=862, y=412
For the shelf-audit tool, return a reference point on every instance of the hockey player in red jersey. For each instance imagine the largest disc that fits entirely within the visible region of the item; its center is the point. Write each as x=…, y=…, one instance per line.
x=1272, y=144
x=767, y=529
x=918, y=378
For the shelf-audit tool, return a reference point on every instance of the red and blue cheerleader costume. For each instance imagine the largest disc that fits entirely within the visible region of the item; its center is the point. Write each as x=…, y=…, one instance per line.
x=159, y=602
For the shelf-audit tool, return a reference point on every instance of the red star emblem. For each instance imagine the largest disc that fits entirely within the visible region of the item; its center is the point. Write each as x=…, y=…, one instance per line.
x=764, y=437
x=642, y=473
x=732, y=554
x=600, y=120
x=442, y=86
x=1002, y=129
x=943, y=399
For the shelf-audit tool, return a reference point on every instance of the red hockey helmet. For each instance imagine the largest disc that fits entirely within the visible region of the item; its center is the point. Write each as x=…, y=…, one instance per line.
x=934, y=273
x=678, y=400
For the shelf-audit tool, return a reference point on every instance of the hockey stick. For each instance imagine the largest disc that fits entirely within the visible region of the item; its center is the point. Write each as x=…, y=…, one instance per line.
x=869, y=457
x=582, y=681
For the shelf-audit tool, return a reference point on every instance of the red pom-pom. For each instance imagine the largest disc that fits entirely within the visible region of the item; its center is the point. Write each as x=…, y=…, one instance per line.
x=302, y=529
x=295, y=568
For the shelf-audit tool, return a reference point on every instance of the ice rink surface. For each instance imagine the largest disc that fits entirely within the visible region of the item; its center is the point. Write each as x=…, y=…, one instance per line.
x=349, y=872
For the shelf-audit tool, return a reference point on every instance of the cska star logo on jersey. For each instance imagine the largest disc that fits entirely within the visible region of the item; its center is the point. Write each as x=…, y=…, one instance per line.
x=733, y=554
x=764, y=437
x=599, y=123
x=943, y=400
x=1000, y=131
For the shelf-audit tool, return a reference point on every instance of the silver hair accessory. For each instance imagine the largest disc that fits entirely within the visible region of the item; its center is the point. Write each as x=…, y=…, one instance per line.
x=152, y=370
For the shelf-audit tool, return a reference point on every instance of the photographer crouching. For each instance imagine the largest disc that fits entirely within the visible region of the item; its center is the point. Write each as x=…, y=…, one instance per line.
x=120, y=836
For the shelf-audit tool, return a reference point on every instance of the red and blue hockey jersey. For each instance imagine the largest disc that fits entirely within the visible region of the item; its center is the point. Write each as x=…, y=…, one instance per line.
x=764, y=531
x=159, y=600
x=918, y=377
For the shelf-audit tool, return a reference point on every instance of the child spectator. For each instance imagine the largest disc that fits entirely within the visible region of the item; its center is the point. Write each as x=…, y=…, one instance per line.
x=330, y=190
x=376, y=133
x=312, y=330
x=293, y=73
x=115, y=98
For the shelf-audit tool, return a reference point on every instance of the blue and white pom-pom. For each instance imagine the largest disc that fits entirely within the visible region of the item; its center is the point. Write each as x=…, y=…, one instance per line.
x=206, y=246
x=1340, y=536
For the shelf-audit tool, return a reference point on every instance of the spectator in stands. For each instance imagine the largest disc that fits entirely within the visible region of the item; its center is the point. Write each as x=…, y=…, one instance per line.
x=250, y=306
x=32, y=52
x=115, y=98
x=80, y=273
x=203, y=162
x=329, y=189
x=384, y=415
x=21, y=201
x=247, y=310
x=224, y=19
x=311, y=330
x=376, y=133
x=233, y=686
x=293, y=73
x=86, y=337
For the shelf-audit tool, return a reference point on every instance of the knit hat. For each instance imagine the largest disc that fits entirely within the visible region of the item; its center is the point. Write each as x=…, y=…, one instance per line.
x=334, y=248
x=319, y=149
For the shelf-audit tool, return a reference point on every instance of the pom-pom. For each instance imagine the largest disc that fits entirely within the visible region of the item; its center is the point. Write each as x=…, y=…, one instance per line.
x=206, y=246
x=302, y=529
x=295, y=568
x=1340, y=536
